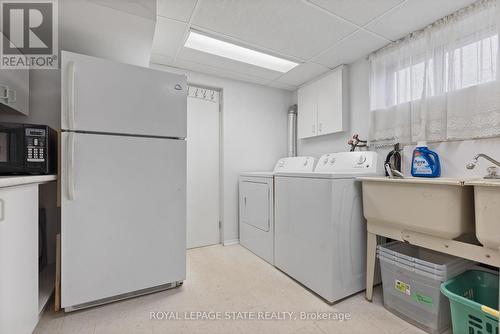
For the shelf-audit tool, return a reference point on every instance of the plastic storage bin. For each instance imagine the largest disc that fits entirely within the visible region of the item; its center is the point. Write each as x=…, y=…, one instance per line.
x=474, y=302
x=411, y=279
x=435, y=263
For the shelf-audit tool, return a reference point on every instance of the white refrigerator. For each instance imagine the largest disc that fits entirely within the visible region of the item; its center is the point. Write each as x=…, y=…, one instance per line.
x=123, y=181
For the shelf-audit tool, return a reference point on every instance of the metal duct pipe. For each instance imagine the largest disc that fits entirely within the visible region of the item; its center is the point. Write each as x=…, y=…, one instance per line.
x=292, y=131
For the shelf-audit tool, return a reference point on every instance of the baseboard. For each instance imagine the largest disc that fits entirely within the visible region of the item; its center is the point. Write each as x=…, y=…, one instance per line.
x=231, y=242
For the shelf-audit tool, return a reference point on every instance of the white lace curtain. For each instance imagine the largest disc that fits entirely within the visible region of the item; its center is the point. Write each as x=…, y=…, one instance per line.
x=440, y=83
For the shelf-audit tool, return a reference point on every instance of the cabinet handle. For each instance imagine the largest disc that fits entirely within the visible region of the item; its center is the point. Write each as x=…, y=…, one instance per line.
x=320, y=127
x=2, y=209
x=245, y=201
x=5, y=93
x=8, y=95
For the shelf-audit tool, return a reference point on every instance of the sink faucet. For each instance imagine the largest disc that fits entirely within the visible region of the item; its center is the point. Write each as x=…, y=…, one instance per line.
x=492, y=171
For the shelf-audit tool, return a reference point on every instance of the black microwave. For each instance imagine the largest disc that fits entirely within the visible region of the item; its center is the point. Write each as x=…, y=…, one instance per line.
x=27, y=149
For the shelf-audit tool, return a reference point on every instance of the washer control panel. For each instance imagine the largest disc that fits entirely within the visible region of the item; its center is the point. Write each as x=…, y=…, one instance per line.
x=348, y=162
x=295, y=164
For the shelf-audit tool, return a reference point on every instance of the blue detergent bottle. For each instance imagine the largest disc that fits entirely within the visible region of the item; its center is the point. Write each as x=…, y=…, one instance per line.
x=425, y=163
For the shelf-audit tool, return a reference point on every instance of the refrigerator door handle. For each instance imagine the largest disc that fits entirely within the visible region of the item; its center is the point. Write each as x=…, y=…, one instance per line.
x=71, y=166
x=71, y=95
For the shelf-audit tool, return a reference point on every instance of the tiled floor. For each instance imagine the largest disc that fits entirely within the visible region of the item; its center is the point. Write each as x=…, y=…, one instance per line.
x=228, y=279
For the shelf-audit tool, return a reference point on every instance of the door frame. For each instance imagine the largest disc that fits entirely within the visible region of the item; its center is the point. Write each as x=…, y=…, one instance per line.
x=221, y=154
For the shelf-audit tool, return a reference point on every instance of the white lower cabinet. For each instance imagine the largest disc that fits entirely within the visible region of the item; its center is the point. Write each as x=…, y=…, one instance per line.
x=18, y=259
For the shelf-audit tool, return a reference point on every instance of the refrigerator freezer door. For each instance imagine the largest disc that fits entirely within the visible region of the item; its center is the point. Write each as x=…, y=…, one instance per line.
x=125, y=227
x=103, y=96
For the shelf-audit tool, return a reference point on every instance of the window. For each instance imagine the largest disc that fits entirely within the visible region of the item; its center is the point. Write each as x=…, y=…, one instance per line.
x=440, y=83
x=473, y=64
x=409, y=82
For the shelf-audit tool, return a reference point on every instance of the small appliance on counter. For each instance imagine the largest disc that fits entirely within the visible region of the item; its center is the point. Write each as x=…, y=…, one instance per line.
x=27, y=149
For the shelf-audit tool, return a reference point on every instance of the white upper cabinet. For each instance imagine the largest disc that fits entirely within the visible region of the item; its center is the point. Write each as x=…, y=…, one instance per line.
x=323, y=105
x=15, y=90
x=307, y=112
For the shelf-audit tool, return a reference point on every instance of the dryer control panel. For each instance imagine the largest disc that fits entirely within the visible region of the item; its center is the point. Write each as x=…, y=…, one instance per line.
x=295, y=164
x=348, y=162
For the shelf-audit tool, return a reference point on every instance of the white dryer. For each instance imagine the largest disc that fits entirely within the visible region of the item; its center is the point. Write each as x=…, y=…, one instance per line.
x=256, y=201
x=320, y=231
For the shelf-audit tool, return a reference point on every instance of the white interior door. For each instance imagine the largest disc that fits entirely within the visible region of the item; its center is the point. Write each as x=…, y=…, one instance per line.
x=203, y=158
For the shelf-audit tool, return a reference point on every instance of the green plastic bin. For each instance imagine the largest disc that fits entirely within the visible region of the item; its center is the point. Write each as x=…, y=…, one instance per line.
x=473, y=299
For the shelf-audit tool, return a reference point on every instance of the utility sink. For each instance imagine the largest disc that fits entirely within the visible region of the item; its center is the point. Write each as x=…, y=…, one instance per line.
x=438, y=207
x=487, y=204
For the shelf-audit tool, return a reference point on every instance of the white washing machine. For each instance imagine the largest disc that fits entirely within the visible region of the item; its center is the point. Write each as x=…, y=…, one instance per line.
x=256, y=200
x=320, y=231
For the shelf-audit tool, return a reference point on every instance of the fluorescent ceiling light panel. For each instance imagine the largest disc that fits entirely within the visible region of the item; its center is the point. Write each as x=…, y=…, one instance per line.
x=228, y=50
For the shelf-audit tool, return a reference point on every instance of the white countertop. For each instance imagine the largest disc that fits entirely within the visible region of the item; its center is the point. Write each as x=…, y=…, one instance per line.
x=17, y=180
x=483, y=182
x=421, y=180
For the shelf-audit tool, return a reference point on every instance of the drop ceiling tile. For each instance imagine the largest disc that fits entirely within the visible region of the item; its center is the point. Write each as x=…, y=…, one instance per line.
x=217, y=71
x=414, y=15
x=169, y=36
x=280, y=85
x=144, y=8
x=227, y=64
x=302, y=73
x=358, y=45
x=359, y=11
x=161, y=59
x=288, y=27
x=176, y=9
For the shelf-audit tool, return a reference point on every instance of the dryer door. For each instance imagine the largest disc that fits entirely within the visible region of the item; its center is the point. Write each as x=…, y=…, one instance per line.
x=255, y=204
